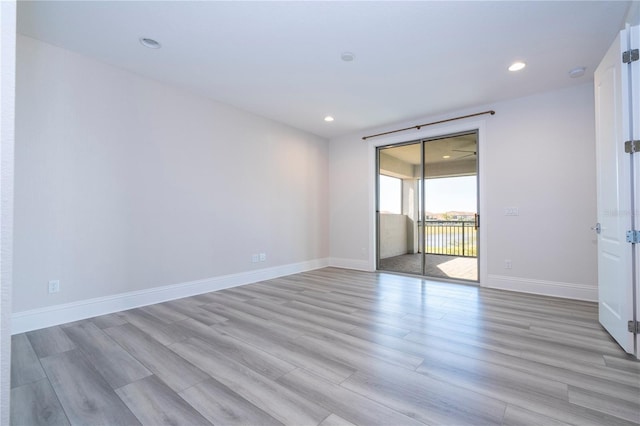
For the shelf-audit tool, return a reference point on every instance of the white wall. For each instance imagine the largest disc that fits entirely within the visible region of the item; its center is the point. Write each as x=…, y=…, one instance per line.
x=539, y=156
x=7, y=93
x=351, y=203
x=125, y=184
x=393, y=235
x=633, y=14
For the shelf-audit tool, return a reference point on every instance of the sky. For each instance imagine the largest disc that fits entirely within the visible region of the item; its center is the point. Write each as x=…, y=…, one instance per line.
x=451, y=194
x=442, y=195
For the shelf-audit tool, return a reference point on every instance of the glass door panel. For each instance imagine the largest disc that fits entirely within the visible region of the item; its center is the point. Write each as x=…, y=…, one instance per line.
x=398, y=211
x=450, y=182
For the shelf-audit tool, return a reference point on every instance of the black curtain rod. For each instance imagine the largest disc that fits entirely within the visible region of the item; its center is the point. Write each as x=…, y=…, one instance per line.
x=364, y=138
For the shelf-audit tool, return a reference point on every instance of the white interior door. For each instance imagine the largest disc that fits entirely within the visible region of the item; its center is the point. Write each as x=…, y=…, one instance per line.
x=615, y=289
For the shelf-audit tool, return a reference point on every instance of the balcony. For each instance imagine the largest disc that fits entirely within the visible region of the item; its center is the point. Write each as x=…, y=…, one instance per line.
x=451, y=248
x=451, y=237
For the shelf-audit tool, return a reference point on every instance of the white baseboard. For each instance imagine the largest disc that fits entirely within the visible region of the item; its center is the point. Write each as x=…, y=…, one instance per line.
x=359, y=265
x=545, y=288
x=60, y=314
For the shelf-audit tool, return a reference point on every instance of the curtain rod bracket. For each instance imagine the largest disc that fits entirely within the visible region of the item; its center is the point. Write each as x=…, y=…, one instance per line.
x=419, y=126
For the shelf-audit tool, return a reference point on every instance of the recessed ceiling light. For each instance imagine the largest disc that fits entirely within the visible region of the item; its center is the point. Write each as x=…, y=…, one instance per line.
x=150, y=43
x=347, y=56
x=328, y=118
x=446, y=156
x=517, y=66
x=577, y=72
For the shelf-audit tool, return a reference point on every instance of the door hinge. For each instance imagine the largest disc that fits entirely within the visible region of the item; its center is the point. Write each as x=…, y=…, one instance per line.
x=633, y=327
x=632, y=146
x=633, y=237
x=630, y=56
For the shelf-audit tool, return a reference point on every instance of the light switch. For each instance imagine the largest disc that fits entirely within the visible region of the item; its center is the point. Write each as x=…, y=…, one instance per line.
x=511, y=211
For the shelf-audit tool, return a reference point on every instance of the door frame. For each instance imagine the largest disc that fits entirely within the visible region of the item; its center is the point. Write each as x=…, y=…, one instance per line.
x=634, y=34
x=427, y=133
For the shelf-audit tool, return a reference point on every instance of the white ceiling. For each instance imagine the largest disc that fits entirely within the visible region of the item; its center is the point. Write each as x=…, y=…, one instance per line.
x=456, y=148
x=282, y=59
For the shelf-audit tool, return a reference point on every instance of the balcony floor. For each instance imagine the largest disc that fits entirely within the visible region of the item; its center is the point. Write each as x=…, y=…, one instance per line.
x=441, y=266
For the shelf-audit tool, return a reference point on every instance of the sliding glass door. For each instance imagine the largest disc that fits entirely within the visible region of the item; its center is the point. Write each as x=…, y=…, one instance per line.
x=399, y=211
x=427, y=214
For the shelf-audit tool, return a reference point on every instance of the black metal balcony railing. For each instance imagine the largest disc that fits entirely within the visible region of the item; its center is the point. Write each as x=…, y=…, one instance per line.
x=451, y=237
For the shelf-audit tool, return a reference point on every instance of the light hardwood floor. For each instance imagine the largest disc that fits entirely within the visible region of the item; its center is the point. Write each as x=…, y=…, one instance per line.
x=330, y=347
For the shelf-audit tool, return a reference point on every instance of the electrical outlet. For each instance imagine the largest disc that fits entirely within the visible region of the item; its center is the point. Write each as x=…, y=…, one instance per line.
x=263, y=257
x=507, y=264
x=255, y=258
x=54, y=286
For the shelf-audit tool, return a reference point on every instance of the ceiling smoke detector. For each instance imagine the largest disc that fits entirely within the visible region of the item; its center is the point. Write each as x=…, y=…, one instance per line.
x=577, y=72
x=347, y=56
x=150, y=43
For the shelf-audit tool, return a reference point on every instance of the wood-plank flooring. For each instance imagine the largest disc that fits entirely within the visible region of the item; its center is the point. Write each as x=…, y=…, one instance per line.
x=330, y=347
